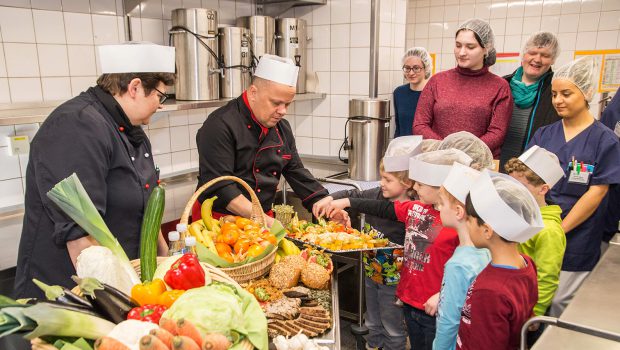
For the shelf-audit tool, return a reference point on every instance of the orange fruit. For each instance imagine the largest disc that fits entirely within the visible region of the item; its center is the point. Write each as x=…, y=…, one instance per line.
x=255, y=250
x=229, y=226
x=222, y=249
x=252, y=232
x=243, y=222
x=228, y=257
x=242, y=245
x=229, y=237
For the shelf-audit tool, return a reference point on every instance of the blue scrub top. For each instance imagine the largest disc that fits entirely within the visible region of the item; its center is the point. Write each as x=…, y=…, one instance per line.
x=598, y=146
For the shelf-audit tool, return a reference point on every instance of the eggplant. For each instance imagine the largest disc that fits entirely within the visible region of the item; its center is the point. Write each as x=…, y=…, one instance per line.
x=113, y=304
x=62, y=295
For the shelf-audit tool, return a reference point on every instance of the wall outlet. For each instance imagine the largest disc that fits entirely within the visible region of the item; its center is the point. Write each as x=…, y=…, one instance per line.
x=19, y=145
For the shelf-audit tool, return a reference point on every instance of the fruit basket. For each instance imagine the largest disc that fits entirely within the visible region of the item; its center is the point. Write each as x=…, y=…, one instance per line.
x=254, y=269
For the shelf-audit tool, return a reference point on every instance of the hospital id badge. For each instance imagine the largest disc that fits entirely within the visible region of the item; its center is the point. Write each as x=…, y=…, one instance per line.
x=579, y=178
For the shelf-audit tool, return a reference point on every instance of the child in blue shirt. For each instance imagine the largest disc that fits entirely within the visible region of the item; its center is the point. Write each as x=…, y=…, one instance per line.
x=467, y=260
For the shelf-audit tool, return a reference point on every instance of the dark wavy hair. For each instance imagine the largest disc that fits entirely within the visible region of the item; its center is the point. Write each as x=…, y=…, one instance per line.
x=116, y=83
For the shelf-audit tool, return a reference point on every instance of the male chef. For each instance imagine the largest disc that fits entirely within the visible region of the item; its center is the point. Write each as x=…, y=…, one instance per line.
x=249, y=138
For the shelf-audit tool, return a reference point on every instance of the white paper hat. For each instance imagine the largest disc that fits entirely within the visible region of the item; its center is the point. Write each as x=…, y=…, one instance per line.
x=136, y=57
x=432, y=168
x=459, y=181
x=278, y=69
x=507, y=206
x=399, y=151
x=544, y=163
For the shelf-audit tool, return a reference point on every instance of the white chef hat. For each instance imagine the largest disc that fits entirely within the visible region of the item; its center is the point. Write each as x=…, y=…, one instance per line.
x=507, y=206
x=278, y=69
x=399, y=151
x=432, y=168
x=136, y=57
x=459, y=181
x=544, y=163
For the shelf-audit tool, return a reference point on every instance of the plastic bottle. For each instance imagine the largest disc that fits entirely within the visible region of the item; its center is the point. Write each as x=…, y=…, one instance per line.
x=190, y=245
x=182, y=230
x=176, y=245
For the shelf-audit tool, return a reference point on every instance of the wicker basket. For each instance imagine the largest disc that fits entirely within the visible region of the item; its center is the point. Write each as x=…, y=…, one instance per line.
x=253, y=270
x=215, y=273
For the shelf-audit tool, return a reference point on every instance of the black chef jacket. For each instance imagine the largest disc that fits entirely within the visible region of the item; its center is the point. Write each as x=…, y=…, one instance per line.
x=231, y=142
x=80, y=136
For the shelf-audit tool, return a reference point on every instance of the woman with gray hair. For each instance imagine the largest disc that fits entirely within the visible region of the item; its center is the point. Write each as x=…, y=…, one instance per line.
x=467, y=97
x=417, y=68
x=530, y=86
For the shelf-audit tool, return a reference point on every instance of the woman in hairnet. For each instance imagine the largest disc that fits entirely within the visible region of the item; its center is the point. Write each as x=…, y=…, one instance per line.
x=530, y=85
x=417, y=68
x=589, y=153
x=467, y=97
x=472, y=146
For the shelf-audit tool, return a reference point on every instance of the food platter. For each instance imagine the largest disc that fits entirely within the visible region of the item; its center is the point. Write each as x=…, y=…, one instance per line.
x=391, y=245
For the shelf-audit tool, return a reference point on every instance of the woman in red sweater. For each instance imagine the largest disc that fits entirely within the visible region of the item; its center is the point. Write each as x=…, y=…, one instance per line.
x=468, y=97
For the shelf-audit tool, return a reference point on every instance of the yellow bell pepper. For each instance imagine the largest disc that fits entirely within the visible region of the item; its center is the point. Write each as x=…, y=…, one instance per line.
x=148, y=292
x=169, y=297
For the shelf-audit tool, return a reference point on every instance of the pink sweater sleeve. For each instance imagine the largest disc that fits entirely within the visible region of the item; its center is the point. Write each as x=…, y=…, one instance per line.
x=424, y=113
x=500, y=120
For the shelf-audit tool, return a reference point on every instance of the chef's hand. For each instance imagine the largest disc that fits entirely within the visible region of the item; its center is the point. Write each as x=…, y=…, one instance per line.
x=341, y=217
x=268, y=220
x=320, y=208
x=430, y=306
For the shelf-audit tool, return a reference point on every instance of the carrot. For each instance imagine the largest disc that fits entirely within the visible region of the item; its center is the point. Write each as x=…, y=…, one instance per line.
x=107, y=343
x=216, y=341
x=168, y=325
x=163, y=335
x=182, y=342
x=187, y=328
x=150, y=342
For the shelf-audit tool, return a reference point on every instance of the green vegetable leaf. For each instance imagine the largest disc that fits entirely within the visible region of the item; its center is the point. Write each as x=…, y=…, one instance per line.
x=62, y=322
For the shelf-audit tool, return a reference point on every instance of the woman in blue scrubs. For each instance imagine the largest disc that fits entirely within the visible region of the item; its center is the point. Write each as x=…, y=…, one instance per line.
x=590, y=154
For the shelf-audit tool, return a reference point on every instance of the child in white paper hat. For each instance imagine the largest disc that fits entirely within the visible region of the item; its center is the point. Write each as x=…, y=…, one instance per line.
x=539, y=170
x=467, y=260
x=382, y=268
x=428, y=245
x=501, y=214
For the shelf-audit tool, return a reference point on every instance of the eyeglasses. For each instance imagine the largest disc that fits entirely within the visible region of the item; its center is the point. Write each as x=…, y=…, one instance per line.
x=415, y=69
x=162, y=96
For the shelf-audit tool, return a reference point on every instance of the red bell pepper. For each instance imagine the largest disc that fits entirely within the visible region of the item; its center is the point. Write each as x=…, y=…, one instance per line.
x=186, y=273
x=147, y=313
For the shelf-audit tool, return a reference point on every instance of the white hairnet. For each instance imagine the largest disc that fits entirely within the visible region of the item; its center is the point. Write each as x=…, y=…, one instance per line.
x=444, y=157
x=424, y=56
x=485, y=33
x=403, y=145
x=467, y=142
x=582, y=73
x=543, y=39
x=517, y=197
x=429, y=145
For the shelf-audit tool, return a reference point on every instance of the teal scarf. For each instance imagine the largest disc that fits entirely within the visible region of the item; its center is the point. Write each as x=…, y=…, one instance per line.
x=523, y=95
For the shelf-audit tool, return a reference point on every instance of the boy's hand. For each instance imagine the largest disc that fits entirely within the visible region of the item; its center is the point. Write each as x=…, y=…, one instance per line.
x=320, y=208
x=430, y=306
x=341, y=217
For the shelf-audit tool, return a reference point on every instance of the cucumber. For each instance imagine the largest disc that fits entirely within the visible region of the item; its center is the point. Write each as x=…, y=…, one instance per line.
x=151, y=224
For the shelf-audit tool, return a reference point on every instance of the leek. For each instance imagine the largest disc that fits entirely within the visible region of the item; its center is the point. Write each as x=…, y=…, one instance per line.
x=72, y=198
x=67, y=323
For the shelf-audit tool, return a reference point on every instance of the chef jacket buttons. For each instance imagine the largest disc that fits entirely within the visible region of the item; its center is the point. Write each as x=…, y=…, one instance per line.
x=278, y=151
x=257, y=170
x=121, y=129
x=249, y=126
x=146, y=186
x=275, y=173
x=146, y=155
x=258, y=190
x=133, y=158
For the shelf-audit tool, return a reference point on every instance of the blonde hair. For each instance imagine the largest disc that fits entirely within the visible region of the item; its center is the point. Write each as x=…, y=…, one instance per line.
x=403, y=178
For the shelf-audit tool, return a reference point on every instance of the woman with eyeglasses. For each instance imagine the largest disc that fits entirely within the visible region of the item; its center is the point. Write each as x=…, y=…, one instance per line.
x=98, y=135
x=417, y=68
x=467, y=97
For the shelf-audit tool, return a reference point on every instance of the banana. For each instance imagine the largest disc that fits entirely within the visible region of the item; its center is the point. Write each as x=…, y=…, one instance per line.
x=206, y=211
x=288, y=247
x=194, y=230
x=208, y=241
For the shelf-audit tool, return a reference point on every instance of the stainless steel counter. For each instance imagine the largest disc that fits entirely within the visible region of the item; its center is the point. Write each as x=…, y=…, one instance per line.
x=595, y=305
x=26, y=113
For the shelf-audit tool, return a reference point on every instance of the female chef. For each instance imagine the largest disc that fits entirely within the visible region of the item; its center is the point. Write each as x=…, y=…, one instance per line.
x=589, y=152
x=98, y=136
